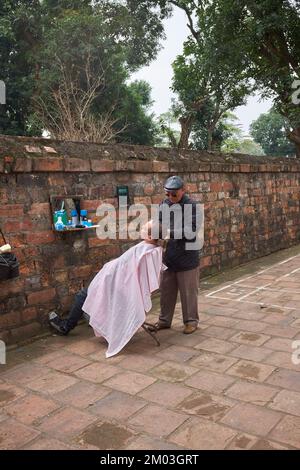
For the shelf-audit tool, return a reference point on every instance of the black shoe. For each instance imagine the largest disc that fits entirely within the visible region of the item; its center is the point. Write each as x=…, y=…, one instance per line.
x=57, y=323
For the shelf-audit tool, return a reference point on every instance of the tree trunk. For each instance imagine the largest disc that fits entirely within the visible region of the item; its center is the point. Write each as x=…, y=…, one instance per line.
x=186, y=128
x=209, y=138
x=294, y=137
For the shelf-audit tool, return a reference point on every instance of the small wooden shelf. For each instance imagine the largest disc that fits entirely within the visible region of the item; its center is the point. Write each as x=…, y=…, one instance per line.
x=74, y=229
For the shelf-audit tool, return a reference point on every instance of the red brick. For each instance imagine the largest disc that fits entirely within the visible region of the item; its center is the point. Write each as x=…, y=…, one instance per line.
x=10, y=319
x=27, y=331
x=244, y=168
x=22, y=165
x=77, y=164
x=205, y=261
x=81, y=272
x=91, y=205
x=40, y=208
x=162, y=167
x=61, y=276
x=29, y=314
x=102, y=166
x=47, y=164
x=11, y=210
x=142, y=200
x=98, y=242
x=216, y=187
x=11, y=287
x=18, y=226
x=39, y=238
x=41, y=297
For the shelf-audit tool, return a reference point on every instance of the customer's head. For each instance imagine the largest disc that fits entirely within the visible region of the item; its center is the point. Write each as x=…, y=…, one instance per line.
x=151, y=231
x=174, y=189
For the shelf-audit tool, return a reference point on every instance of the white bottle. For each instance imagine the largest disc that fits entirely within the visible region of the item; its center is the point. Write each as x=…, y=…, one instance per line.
x=59, y=224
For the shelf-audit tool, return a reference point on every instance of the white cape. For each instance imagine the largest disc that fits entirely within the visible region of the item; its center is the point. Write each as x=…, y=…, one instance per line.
x=120, y=294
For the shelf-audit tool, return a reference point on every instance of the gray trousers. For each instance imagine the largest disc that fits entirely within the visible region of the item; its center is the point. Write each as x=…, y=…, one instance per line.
x=187, y=282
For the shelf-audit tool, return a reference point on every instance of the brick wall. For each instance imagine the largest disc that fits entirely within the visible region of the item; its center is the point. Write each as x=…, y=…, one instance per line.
x=251, y=209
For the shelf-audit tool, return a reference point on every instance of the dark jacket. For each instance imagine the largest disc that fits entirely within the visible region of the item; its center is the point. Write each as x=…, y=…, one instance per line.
x=177, y=257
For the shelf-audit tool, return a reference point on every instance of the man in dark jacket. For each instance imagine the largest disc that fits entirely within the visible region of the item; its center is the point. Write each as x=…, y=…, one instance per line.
x=181, y=256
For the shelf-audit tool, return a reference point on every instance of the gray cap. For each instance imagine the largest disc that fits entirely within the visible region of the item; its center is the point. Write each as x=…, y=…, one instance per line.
x=174, y=182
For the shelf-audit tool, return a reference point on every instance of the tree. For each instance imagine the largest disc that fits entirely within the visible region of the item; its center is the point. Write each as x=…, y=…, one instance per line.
x=205, y=86
x=32, y=35
x=264, y=37
x=270, y=131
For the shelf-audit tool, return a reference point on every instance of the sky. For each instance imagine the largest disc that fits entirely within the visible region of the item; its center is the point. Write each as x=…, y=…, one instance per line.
x=159, y=74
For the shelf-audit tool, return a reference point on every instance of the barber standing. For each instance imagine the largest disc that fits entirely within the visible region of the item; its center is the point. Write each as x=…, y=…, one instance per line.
x=181, y=259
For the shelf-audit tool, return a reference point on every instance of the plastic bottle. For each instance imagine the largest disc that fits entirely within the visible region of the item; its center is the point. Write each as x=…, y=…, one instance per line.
x=59, y=225
x=83, y=217
x=74, y=216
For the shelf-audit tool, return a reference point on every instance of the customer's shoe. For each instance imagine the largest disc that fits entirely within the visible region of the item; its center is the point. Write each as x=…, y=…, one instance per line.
x=189, y=328
x=57, y=323
x=158, y=326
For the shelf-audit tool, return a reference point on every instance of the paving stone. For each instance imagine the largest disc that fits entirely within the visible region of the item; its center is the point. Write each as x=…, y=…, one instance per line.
x=130, y=382
x=215, y=345
x=280, y=344
x=176, y=353
x=97, y=373
x=201, y=434
x=253, y=326
x=139, y=363
x=219, y=332
x=83, y=347
x=218, y=320
x=212, y=361
x=52, y=383
x=165, y=393
x=251, y=370
x=210, y=381
x=287, y=379
x=263, y=444
x=288, y=402
x=206, y=405
x=117, y=405
x=251, y=392
x=14, y=435
x=68, y=363
x=10, y=393
x=173, y=372
x=25, y=373
x=66, y=423
x=157, y=420
x=45, y=443
x=105, y=436
x=288, y=431
x=251, y=353
x=151, y=443
x=251, y=419
x=282, y=360
x=253, y=339
x=281, y=331
x=242, y=442
x=30, y=408
x=82, y=394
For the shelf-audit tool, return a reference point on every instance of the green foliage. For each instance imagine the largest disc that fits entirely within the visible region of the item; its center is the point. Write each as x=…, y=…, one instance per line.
x=40, y=40
x=270, y=131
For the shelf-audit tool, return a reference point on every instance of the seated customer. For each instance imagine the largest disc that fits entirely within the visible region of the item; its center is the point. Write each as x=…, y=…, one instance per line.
x=119, y=295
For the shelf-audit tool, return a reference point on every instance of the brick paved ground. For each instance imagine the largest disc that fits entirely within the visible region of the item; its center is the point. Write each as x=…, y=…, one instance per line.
x=230, y=385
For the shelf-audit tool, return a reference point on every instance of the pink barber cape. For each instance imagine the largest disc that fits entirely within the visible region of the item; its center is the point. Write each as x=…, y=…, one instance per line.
x=120, y=294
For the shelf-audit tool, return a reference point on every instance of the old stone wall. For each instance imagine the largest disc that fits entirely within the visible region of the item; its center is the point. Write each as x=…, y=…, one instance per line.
x=251, y=210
